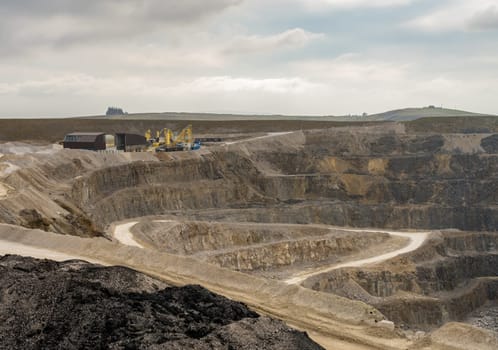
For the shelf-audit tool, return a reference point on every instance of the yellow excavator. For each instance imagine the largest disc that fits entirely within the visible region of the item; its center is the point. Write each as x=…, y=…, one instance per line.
x=182, y=142
x=184, y=138
x=154, y=142
x=148, y=135
x=168, y=137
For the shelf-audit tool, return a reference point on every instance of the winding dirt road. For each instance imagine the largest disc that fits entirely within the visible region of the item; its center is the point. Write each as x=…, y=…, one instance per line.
x=270, y=134
x=416, y=240
x=123, y=234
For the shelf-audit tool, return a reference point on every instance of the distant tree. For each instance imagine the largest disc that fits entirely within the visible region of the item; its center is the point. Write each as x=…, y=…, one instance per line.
x=115, y=111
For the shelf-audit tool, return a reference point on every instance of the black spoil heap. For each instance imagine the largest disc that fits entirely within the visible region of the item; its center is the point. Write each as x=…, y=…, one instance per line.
x=75, y=305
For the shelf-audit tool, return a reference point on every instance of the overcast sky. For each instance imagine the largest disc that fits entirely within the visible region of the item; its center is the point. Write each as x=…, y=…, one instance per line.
x=313, y=57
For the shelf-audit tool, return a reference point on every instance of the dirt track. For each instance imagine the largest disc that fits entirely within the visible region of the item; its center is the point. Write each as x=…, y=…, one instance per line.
x=123, y=234
x=271, y=134
x=416, y=240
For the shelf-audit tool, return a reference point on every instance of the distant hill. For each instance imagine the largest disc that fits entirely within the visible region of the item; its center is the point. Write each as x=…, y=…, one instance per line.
x=408, y=114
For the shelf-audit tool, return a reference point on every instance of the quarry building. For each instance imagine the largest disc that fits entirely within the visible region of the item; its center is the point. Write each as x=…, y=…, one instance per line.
x=130, y=142
x=93, y=141
x=97, y=141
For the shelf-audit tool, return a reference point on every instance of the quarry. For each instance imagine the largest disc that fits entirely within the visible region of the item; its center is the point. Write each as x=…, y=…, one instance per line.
x=375, y=235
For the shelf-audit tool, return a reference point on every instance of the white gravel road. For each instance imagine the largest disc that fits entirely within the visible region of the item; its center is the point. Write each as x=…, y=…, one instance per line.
x=416, y=240
x=271, y=134
x=123, y=234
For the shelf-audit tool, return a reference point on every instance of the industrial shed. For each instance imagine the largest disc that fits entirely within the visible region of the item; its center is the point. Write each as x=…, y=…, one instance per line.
x=130, y=142
x=93, y=141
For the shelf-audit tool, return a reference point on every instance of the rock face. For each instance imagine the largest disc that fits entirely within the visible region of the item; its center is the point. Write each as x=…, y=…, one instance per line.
x=443, y=281
x=75, y=305
x=490, y=144
x=361, y=178
x=250, y=247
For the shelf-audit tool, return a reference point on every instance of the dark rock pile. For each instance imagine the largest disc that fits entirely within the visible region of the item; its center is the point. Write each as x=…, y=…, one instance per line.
x=76, y=305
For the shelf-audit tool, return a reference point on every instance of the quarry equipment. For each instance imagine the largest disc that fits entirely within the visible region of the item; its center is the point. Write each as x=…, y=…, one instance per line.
x=152, y=141
x=185, y=137
x=149, y=137
x=168, y=137
x=182, y=142
x=196, y=145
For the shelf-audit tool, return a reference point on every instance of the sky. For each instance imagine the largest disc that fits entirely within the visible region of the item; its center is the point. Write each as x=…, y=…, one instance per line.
x=300, y=57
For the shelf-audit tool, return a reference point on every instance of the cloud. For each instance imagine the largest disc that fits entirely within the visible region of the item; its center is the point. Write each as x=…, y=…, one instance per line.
x=292, y=38
x=353, y=69
x=210, y=51
x=62, y=23
x=65, y=84
x=351, y=4
x=50, y=97
x=6, y=89
x=485, y=20
x=206, y=51
x=459, y=15
x=88, y=85
x=112, y=10
x=280, y=56
x=237, y=84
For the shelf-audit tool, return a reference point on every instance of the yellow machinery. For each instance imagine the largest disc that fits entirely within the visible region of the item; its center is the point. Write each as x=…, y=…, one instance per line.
x=168, y=137
x=185, y=137
x=154, y=142
x=183, y=141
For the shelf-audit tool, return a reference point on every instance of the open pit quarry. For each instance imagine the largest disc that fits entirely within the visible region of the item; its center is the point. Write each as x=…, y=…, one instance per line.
x=366, y=237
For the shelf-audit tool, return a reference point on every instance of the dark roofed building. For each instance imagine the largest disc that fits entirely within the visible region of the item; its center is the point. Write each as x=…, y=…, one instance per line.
x=130, y=142
x=93, y=141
